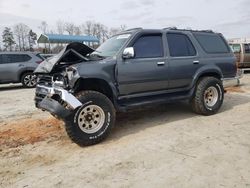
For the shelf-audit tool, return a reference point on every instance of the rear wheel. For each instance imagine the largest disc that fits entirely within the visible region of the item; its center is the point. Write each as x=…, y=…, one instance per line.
x=93, y=121
x=208, y=97
x=29, y=80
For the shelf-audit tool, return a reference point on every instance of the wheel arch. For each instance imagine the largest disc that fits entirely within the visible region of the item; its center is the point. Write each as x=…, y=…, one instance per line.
x=95, y=84
x=24, y=72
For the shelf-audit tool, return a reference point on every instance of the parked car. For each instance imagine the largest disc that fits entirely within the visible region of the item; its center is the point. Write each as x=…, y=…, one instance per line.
x=46, y=56
x=18, y=67
x=242, y=53
x=86, y=87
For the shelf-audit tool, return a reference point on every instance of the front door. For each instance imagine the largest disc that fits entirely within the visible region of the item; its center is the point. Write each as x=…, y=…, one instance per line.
x=148, y=70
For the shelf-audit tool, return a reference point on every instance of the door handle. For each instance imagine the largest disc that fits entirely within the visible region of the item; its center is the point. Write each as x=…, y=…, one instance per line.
x=20, y=65
x=196, y=62
x=161, y=63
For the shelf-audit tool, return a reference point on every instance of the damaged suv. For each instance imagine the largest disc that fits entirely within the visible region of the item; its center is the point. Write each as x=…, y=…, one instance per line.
x=86, y=87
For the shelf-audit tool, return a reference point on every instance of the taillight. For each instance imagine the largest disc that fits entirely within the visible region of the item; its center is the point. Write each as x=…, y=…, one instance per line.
x=38, y=62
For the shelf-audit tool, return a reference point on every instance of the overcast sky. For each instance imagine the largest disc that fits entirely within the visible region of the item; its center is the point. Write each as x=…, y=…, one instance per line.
x=230, y=17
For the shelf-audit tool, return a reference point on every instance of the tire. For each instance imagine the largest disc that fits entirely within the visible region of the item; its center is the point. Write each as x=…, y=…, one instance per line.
x=93, y=121
x=28, y=80
x=208, y=96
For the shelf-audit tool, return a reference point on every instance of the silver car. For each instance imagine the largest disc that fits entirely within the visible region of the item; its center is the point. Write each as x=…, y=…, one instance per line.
x=18, y=67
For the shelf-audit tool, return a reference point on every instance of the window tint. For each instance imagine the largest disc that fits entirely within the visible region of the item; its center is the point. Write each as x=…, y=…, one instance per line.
x=212, y=43
x=235, y=48
x=14, y=58
x=148, y=46
x=180, y=45
x=247, y=48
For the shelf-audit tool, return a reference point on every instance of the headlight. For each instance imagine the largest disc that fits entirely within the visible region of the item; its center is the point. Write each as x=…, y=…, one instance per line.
x=59, y=81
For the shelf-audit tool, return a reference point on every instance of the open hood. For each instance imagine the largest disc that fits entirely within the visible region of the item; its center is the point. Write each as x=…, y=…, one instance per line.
x=71, y=54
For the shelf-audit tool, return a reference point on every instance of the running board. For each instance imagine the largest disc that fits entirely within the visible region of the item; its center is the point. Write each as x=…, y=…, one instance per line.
x=152, y=100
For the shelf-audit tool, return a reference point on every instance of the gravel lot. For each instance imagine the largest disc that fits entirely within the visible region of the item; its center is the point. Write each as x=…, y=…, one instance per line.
x=161, y=146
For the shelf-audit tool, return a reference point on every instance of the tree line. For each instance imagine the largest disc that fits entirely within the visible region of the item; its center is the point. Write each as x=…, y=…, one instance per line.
x=22, y=38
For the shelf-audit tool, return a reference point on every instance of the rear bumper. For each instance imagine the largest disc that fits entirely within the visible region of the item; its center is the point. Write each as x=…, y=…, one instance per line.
x=234, y=81
x=59, y=102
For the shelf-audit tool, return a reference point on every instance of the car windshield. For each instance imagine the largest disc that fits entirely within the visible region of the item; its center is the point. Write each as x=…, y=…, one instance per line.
x=111, y=46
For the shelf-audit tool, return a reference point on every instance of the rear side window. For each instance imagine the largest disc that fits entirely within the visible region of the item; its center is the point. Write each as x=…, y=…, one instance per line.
x=14, y=58
x=212, y=43
x=180, y=45
x=148, y=46
x=247, y=48
x=236, y=48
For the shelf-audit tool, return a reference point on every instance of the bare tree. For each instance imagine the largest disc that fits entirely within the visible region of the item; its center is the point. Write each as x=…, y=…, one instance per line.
x=88, y=27
x=95, y=29
x=60, y=27
x=22, y=32
x=69, y=27
x=123, y=27
x=43, y=27
x=77, y=30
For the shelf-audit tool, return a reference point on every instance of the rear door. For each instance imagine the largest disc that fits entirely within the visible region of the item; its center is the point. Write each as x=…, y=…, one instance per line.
x=183, y=60
x=148, y=70
x=11, y=66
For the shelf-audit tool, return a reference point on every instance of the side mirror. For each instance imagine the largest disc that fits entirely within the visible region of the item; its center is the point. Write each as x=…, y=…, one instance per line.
x=128, y=53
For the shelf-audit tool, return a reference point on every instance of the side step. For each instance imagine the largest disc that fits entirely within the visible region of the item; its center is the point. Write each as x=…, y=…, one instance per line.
x=152, y=100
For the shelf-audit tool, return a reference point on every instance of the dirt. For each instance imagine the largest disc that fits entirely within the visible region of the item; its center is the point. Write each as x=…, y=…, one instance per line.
x=236, y=89
x=160, y=146
x=30, y=131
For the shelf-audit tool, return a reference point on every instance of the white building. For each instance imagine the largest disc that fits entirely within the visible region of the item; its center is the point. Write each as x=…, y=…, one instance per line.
x=239, y=40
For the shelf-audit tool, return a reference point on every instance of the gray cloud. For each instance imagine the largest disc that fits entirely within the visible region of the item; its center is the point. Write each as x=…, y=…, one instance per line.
x=147, y=2
x=129, y=5
x=25, y=5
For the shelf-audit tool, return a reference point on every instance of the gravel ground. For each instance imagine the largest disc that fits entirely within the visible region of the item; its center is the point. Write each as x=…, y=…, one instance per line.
x=161, y=146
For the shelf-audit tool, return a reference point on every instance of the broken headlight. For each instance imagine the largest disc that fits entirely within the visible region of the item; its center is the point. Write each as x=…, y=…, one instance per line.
x=59, y=81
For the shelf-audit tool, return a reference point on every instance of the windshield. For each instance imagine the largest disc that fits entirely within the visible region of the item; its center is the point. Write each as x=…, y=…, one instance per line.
x=111, y=46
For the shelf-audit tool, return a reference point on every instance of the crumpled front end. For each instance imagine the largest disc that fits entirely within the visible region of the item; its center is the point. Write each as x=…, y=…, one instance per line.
x=55, y=99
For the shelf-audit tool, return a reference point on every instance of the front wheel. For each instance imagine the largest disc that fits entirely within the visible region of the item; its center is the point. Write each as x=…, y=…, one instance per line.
x=208, y=96
x=29, y=80
x=93, y=121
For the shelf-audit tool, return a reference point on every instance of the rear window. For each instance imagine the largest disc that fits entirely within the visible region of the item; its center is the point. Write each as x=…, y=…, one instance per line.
x=14, y=58
x=212, y=43
x=236, y=48
x=39, y=56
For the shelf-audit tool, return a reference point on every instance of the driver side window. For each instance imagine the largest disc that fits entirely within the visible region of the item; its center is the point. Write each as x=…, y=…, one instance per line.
x=148, y=46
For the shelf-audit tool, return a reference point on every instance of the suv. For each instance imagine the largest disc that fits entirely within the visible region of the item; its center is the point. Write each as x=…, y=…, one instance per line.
x=18, y=67
x=242, y=53
x=86, y=87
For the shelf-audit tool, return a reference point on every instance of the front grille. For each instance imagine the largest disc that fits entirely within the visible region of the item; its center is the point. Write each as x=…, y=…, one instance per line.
x=45, y=80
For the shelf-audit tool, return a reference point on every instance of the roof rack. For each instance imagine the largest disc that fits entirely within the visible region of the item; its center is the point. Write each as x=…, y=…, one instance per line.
x=132, y=29
x=175, y=28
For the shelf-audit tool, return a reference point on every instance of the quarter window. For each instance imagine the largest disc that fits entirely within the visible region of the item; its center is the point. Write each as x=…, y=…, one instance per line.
x=148, y=46
x=180, y=45
x=247, y=48
x=212, y=43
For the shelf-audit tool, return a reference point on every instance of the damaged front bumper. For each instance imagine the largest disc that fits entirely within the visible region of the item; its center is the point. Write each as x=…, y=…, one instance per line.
x=59, y=102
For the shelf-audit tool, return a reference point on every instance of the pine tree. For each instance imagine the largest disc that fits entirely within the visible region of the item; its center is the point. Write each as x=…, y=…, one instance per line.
x=32, y=39
x=8, y=38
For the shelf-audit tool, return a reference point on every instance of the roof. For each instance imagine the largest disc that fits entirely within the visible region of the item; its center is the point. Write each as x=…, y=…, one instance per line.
x=54, y=38
x=164, y=29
